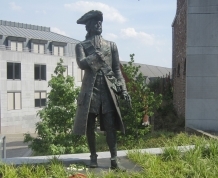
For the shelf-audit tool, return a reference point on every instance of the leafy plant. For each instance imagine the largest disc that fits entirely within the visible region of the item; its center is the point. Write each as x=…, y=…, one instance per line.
x=165, y=117
x=54, y=131
x=144, y=102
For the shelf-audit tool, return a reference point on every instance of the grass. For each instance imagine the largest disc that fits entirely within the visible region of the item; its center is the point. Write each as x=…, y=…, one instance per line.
x=152, y=140
x=202, y=161
x=33, y=171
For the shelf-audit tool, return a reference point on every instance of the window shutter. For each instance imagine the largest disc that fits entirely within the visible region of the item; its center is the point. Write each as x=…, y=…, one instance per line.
x=56, y=50
x=17, y=101
x=19, y=46
x=35, y=48
x=10, y=101
x=13, y=45
x=43, y=95
x=61, y=51
x=41, y=49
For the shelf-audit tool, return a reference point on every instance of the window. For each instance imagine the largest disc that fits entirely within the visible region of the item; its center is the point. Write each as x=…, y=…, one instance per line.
x=58, y=50
x=14, y=100
x=184, y=71
x=13, y=71
x=79, y=74
x=178, y=70
x=40, y=72
x=16, y=46
x=38, y=48
x=40, y=99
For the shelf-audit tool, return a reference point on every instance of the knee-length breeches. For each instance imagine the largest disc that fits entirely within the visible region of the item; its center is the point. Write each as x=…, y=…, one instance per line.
x=101, y=101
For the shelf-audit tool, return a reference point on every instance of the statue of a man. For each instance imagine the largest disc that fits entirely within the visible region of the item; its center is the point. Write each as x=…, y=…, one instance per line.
x=101, y=85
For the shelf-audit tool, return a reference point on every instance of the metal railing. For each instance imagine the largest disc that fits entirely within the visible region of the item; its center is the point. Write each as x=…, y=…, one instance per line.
x=3, y=47
x=3, y=152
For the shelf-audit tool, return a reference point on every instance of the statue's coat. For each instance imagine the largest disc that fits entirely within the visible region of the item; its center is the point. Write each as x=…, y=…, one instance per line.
x=91, y=64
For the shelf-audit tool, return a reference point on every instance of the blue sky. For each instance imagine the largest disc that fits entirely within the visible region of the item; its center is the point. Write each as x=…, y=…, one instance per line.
x=142, y=27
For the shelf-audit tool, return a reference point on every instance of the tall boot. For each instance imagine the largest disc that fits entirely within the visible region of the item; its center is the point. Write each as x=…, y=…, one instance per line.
x=93, y=161
x=112, y=143
x=111, y=139
x=90, y=135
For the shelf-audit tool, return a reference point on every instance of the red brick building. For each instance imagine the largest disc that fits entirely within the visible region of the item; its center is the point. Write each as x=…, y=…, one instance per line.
x=179, y=57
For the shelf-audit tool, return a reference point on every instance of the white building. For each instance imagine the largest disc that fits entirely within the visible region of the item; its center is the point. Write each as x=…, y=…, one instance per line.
x=28, y=57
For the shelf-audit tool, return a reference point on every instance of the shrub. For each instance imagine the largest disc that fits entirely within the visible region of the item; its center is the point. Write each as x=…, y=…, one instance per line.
x=54, y=131
x=144, y=102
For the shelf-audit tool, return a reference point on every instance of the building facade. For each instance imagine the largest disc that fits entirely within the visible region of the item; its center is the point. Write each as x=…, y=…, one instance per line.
x=179, y=57
x=195, y=39
x=28, y=57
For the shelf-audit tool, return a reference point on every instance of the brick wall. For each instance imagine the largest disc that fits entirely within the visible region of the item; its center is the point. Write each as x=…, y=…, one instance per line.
x=179, y=57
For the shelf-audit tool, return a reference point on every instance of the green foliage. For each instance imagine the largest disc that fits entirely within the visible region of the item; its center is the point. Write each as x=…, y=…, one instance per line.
x=54, y=131
x=144, y=102
x=165, y=117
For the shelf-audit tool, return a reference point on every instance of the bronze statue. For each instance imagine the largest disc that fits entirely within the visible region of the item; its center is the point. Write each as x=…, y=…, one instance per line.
x=102, y=84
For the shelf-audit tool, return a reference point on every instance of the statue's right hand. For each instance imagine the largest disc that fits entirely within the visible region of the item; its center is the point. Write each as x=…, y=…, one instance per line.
x=103, y=53
x=99, y=54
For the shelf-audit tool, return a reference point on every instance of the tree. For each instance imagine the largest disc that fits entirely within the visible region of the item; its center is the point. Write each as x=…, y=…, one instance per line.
x=144, y=102
x=54, y=130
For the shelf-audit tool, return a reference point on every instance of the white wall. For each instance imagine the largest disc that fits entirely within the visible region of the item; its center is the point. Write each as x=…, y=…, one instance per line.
x=23, y=120
x=202, y=65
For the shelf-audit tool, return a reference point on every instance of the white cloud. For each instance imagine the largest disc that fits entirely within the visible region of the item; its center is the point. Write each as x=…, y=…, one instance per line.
x=110, y=13
x=57, y=30
x=110, y=36
x=14, y=7
x=145, y=38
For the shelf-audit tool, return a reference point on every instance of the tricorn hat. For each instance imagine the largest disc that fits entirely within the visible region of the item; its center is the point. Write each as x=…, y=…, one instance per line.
x=90, y=15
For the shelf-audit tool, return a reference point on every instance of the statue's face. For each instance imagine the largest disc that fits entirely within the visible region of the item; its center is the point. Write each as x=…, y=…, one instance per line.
x=95, y=27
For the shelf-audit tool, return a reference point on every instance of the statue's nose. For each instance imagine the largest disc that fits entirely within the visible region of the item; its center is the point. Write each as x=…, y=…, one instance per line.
x=99, y=23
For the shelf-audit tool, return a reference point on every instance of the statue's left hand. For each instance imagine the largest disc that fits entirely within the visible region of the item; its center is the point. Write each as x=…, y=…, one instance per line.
x=126, y=97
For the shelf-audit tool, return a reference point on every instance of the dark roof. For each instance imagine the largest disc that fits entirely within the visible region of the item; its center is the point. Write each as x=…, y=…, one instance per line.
x=152, y=71
x=16, y=29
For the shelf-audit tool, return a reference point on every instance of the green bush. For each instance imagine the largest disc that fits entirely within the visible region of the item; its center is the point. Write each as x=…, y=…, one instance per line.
x=165, y=117
x=54, y=131
x=144, y=102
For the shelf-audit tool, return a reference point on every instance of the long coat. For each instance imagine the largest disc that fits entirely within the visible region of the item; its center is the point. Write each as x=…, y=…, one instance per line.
x=91, y=64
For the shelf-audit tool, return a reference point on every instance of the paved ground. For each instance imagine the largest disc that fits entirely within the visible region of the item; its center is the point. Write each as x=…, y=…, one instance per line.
x=104, y=165
x=15, y=146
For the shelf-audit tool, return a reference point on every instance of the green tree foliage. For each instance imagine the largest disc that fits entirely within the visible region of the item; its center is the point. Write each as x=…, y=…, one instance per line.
x=165, y=117
x=54, y=130
x=144, y=102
